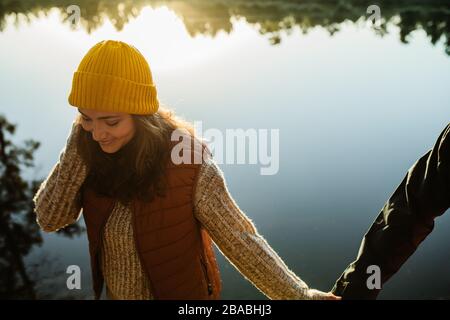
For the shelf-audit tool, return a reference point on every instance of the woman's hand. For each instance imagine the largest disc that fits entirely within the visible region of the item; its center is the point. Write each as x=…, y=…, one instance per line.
x=319, y=295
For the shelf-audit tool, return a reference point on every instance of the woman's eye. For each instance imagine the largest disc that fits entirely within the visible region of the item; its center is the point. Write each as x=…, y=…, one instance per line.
x=112, y=124
x=85, y=119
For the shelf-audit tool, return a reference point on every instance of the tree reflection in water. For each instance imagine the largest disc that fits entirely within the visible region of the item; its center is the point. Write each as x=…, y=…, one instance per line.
x=270, y=17
x=19, y=232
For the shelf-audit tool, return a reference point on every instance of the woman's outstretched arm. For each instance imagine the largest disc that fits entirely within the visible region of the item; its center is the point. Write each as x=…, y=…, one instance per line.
x=236, y=236
x=58, y=199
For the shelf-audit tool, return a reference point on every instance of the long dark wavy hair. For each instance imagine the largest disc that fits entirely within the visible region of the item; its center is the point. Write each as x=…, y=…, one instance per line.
x=137, y=169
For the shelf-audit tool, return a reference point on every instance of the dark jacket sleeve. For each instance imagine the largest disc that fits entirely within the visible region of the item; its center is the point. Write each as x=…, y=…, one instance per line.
x=404, y=222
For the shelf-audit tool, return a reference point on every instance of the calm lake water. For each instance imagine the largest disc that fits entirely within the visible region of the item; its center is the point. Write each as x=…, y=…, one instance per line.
x=354, y=109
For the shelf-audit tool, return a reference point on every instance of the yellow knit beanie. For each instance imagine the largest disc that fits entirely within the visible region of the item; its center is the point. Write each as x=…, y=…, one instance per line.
x=115, y=77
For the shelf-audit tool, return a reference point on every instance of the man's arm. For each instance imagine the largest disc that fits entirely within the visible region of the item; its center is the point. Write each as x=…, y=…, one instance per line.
x=403, y=223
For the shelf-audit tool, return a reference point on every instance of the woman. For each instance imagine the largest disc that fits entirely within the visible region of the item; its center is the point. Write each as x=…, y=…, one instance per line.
x=150, y=219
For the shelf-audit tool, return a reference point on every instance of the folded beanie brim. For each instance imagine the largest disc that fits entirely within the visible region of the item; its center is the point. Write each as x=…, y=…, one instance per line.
x=102, y=92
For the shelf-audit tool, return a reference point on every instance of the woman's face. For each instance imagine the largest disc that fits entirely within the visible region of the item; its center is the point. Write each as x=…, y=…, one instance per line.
x=112, y=130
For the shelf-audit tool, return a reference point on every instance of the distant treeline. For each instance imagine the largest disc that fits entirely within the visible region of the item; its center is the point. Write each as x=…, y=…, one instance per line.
x=269, y=16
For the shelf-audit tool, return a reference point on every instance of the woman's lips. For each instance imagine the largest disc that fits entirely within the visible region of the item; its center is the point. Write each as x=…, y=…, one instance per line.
x=106, y=143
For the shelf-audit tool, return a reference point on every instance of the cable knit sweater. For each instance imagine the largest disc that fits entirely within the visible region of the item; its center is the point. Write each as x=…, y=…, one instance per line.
x=58, y=204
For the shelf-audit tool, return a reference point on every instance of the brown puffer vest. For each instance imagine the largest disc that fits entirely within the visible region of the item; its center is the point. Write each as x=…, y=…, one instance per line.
x=175, y=251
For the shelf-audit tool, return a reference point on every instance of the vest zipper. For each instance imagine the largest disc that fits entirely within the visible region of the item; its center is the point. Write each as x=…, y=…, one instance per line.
x=205, y=274
x=153, y=293
x=97, y=253
x=100, y=246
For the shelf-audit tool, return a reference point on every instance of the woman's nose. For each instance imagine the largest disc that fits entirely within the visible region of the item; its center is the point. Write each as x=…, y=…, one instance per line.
x=98, y=134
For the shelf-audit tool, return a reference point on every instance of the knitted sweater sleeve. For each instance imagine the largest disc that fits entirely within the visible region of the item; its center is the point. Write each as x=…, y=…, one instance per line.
x=238, y=239
x=58, y=200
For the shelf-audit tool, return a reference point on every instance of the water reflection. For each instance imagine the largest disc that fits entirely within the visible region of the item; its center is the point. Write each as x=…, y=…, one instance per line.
x=19, y=232
x=269, y=17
